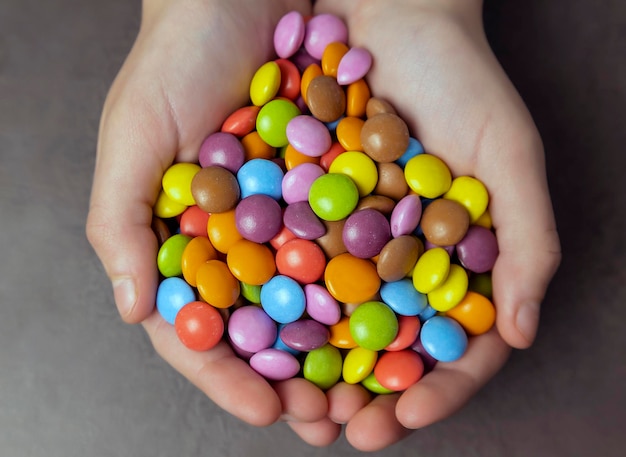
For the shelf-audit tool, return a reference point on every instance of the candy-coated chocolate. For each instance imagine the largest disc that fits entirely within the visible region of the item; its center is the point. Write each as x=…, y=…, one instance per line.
x=385, y=137
x=289, y=34
x=216, y=284
x=406, y=215
x=279, y=344
x=289, y=79
x=408, y=331
x=325, y=98
x=481, y=283
x=358, y=364
x=349, y=133
x=427, y=175
x=475, y=313
x=478, y=250
x=302, y=221
x=399, y=370
x=256, y=148
x=384, y=205
x=275, y=364
x=161, y=230
x=328, y=157
x=373, y=325
x=193, y=221
x=170, y=255
x=310, y=73
x=391, y=182
x=293, y=158
x=350, y=279
x=372, y=384
x=308, y=135
x=431, y=270
x=272, y=120
x=265, y=83
x=251, y=262
x=376, y=105
x=340, y=335
x=471, y=193
x=304, y=335
x=443, y=338
x=199, y=326
x=251, y=292
x=359, y=167
x=402, y=297
x=172, y=294
x=321, y=30
x=398, y=257
x=251, y=329
x=222, y=149
x=320, y=305
x=297, y=182
x=260, y=176
x=445, y=222
x=258, y=218
x=283, y=299
x=333, y=196
x=414, y=148
x=215, y=189
x=485, y=220
x=302, y=260
x=282, y=237
x=332, y=56
x=354, y=65
x=365, y=233
x=197, y=252
x=222, y=230
x=449, y=293
x=242, y=121
x=357, y=96
x=332, y=242
x=177, y=182
x=427, y=359
x=322, y=366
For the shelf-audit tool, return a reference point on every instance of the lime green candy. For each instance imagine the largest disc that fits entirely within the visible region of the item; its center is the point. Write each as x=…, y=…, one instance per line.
x=333, y=196
x=358, y=364
x=170, y=255
x=322, y=366
x=272, y=120
x=251, y=292
x=372, y=384
x=373, y=325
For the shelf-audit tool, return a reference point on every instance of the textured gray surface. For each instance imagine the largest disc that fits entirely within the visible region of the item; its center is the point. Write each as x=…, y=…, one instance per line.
x=76, y=381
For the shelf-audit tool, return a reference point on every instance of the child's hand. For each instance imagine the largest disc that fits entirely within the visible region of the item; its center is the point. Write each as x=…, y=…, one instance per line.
x=433, y=63
x=188, y=70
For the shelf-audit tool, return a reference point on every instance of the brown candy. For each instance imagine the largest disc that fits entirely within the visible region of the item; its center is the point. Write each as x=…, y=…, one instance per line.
x=215, y=189
x=445, y=222
x=332, y=242
x=326, y=99
x=398, y=257
x=385, y=137
x=376, y=106
x=160, y=229
x=391, y=182
x=380, y=203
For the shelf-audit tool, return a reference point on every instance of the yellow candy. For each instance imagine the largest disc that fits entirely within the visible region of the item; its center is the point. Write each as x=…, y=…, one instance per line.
x=358, y=364
x=165, y=207
x=471, y=193
x=349, y=133
x=358, y=166
x=431, y=270
x=451, y=291
x=251, y=262
x=177, y=182
x=265, y=83
x=484, y=220
x=427, y=175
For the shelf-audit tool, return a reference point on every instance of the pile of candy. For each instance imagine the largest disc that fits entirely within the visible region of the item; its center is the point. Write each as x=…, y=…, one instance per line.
x=315, y=235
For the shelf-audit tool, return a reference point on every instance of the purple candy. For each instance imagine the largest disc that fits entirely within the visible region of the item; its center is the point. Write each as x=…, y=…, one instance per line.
x=406, y=215
x=297, y=182
x=251, y=329
x=289, y=34
x=222, y=149
x=308, y=135
x=322, y=30
x=275, y=364
x=429, y=360
x=365, y=233
x=353, y=66
x=258, y=218
x=304, y=335
x=478, y=250
x=321, y=305
x=303, y=222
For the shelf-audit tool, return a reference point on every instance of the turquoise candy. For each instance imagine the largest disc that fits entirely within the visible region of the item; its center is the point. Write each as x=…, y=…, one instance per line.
x=373, y=325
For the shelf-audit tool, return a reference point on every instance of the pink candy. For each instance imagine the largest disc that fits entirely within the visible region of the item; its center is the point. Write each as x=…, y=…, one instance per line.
x=322, y=30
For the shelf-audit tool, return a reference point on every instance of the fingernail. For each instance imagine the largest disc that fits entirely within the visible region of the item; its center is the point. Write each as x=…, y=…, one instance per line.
x=286, y=417
x=527, y=320
x=125, y=294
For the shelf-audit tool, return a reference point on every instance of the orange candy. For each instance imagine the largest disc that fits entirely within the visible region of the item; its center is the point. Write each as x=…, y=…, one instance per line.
x=255, y=148
x=302, y=260
x=197, y=252
x=349, y=133
x=350, y=279
x=357, y=96
x=332, y=56
x=293, y=158
x=216, y=284
x=399, y=370
x=309, y=73
x=251, y=262
x=475, y=313
x=242, y=121
x=222, y=230
x=340, y=335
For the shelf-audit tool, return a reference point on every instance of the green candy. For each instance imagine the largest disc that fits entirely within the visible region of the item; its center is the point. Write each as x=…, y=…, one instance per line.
x=373, y=325
x=372, y=384
x=251, y=292
x=333, y=196
x=170, y=254
x=272, y=120
x=322, y=366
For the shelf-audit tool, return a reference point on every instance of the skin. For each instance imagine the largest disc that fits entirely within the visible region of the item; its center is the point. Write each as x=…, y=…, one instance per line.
x=455, y=98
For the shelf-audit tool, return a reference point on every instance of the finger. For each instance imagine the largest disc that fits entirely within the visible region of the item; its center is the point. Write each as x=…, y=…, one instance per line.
x=301, y=400
x=443, y=391
x=321, y=433
x=376, y=426
x=345, y=400
x=223, y=377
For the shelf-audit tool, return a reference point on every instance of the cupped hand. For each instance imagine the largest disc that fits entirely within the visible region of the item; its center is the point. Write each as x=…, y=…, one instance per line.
x=189, y=68
x=433, y=63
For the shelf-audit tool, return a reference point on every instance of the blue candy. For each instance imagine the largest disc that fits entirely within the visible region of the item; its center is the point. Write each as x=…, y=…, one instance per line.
x=427, y=313
x=443, y=338
x=280, y=344
x=260, y=176
x=173, y=293
x=414, y=148
x=402, y=297
x=283, y=299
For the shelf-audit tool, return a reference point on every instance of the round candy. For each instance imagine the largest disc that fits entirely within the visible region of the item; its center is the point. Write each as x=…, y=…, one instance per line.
x=216, y=284
x=300, y=219
x=310, y=73
x=333, y=196
x=199, y=326
x=365, y=233
x=260, y=176
x=359, y=167
x=350, y=279
x=384, y=205
x=302, y=260
x=282, y=237
x=427, y=175
x=222, y=230
x=471, y=193
x=222, y=149
x=161, y=229
x=478, y=250
x=165, y=207
x=398, y=257
x=443, y=338
x=445, y=222
x=308, y=135
x=297, y=182
x=258, y=218
x=408, y=331
x=354, y=65
x=289, y=79
x=325, y=98
x=373, y=325
x=320, y=305
x=332, y=56
x=406, y=215
x=254, y=147
x=193, y=222
x=385, y=137
x=251, y=329
x=321, y=30
x=429, y=361
x=372, y=384
x=289, y=34
x=265, y=83
x=402, y=297
x=215, y=189
x=304, y=335
x=172, y=294
x=177, y=182
x=197, y=252
x=449, y=293
x=340, y=336
x=322, y=366
x=414, y=148
x=283, y=299
x=275, y=364
x=242, y=121
x=349, y=133
x=357, y=96
x=376, y=106
x=170, y=255
x=358, y=364
x=399, y=370
x=272, y=120
x=475, y=313
x=251, y=292
x=332, y=242
x=431, y=270
x=391, y=182
x=251, y=262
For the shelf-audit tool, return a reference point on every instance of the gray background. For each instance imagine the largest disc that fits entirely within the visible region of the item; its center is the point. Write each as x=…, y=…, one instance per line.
x=76, y=381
